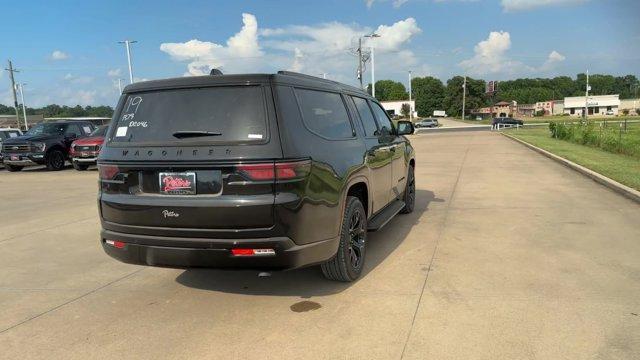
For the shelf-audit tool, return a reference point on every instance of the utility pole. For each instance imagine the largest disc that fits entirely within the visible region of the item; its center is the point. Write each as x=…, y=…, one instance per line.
x=464, y=94
x=24, y=107
x=410, y=94
x=11, y=70
x=127, y=44
x=360, y=61
x=120, y=85
x=586, y=98
x=373, y=64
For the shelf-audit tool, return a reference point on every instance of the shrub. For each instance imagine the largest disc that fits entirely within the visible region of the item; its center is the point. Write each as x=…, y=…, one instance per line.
x=625, y=112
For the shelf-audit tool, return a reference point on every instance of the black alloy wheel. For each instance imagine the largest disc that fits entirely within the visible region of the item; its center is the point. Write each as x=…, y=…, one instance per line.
x=346, y=265
x=55, y=160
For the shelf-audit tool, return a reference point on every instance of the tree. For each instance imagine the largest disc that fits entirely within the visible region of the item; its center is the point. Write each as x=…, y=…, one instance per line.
x=389, y=90
x=405, y=109
x=475, y=97
x=428, y=93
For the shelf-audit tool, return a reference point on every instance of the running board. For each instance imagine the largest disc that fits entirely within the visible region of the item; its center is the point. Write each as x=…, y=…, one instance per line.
x=382, y=218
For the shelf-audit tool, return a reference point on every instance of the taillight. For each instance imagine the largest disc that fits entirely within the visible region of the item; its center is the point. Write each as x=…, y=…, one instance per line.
x=108, y=172
x=279, y=171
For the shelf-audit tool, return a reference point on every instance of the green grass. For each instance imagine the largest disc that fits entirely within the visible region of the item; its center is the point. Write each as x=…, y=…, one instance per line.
x=546, y=119
x=621, y=168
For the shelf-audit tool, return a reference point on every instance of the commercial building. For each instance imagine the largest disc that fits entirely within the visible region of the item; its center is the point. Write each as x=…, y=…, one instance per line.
x=597, y=105
x=394, y=108
x=546, y=106
x=631, y=105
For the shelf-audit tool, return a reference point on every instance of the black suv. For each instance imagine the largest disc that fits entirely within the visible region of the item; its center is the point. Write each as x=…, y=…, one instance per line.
x=264, y=171
x=46, y=143
x=506, y=121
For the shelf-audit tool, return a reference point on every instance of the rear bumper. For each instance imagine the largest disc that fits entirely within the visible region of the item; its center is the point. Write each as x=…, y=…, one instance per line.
x=215, y=253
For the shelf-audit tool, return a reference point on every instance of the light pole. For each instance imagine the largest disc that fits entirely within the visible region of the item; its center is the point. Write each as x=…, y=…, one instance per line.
x=410, y=107
x=24, y=107
x=127, y=44
x=586, y=98
x=373, y=64
x=120, y=85
x=464, y=95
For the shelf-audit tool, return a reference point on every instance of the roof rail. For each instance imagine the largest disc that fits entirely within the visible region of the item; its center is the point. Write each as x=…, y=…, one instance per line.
x=297, y=74
x=311, y=77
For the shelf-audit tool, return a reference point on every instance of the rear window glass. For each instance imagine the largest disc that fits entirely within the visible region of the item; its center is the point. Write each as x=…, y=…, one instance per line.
x=215, y=114
x=324, y=113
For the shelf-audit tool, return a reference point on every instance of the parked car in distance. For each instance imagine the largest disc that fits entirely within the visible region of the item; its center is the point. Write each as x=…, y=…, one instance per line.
x=8, y=133
x=610, y=112
x=506, y=121
x=263, y=171
x=84, y=152
x=46, y=143
x=440, y=113
x=427, y=123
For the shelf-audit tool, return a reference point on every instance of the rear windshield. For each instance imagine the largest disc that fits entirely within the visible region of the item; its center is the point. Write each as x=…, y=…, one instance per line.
x=215, y=114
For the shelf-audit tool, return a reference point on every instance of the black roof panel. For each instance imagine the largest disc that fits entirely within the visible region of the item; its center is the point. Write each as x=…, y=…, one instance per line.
x=282, y=77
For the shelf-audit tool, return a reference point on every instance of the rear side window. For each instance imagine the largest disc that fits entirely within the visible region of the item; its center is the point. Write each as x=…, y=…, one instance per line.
x=368, y=121
x=230, y=114
x=383, y=119
x=324, y=113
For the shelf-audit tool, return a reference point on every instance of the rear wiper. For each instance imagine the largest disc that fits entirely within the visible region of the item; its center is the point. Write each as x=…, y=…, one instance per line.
x=194, y=133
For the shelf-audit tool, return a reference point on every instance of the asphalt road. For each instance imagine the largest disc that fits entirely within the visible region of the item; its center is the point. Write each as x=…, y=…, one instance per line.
x=507, y=256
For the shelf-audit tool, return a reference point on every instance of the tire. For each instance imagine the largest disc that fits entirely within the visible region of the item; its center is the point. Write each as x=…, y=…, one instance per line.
x=55, y=160
x=409, y=192
x=346, y=265
x=80, y=167
x=13, y=168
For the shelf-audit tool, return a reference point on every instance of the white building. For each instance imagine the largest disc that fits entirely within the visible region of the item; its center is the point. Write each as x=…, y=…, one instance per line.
x=395, y=107
x=597, y=105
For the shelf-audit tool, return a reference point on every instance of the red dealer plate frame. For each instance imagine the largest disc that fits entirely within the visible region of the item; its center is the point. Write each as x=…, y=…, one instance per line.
x=177, y=183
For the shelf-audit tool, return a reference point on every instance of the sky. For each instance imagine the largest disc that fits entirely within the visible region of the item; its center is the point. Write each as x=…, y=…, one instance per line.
x=68, y=53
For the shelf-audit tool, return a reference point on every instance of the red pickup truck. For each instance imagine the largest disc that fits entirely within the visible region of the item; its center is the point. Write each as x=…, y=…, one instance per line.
x=84, y=152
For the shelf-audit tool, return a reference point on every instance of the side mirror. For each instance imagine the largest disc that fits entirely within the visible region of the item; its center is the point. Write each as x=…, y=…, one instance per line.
x=405, y=127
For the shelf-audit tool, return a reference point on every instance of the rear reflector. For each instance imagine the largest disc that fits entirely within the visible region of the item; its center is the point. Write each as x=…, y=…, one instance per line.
x=253, y=252
x=115, y=244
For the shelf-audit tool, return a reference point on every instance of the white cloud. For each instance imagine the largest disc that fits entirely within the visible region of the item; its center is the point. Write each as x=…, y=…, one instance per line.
x=398, y=3
x=240, y=52
x=114, y=73
x=521, y=5
x=298, y=59
x=392, y=37
x=59, y=55
x=77, y=79
x=553, y=59
x=491, y=56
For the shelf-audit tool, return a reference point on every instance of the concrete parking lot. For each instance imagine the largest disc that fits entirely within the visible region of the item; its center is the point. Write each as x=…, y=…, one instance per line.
x=507, y=256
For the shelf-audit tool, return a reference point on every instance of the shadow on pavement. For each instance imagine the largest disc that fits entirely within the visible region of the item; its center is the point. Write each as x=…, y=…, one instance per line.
x=308, y=282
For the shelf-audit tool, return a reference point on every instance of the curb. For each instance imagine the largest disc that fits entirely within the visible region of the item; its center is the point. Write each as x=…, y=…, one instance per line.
x=621, y=189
